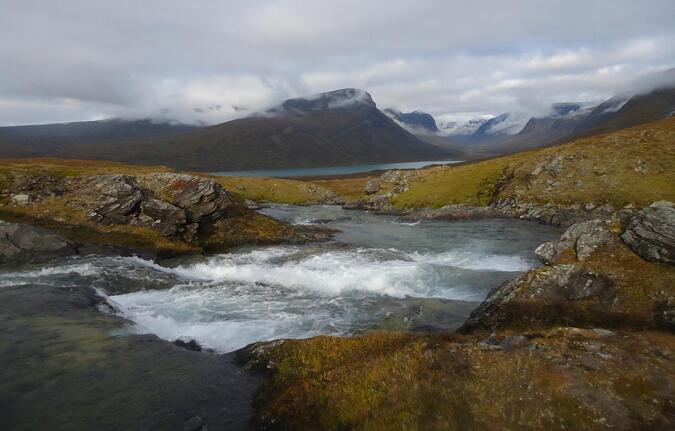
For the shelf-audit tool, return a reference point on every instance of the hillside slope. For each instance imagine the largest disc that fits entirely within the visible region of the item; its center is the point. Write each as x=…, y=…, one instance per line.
x=343, y=127
x=587, y=177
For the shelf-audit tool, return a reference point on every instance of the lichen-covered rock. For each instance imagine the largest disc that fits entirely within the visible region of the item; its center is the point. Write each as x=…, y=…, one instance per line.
x=205, y=200
x=584, y=238
x=372, y=186
x=166, y=218
x=115, y=199
x=20, y=242
x=571, y=283
x=545, y=288
x=174, y=204
x=650, y=232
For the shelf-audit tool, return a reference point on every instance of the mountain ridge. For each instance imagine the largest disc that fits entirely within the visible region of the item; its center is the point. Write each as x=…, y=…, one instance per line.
x=342, y=127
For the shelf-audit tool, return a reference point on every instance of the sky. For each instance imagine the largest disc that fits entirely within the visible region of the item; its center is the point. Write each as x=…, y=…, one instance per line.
x=211, y=61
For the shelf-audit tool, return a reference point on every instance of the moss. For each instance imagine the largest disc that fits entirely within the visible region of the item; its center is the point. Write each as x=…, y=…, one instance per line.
x=406, y=382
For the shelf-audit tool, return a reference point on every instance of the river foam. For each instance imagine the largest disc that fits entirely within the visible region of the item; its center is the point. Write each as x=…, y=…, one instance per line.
x=331, y=272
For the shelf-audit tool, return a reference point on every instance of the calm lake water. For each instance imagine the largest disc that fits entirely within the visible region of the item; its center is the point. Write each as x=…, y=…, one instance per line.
x=331, y=170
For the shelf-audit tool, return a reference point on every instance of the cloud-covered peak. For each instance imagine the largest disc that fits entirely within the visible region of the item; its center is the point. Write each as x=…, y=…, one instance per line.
x=417, y=122
x=344, y=98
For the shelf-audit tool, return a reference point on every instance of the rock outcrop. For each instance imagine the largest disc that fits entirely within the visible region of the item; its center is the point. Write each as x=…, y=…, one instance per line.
x=584, y=238
x=153, y=214
x=545, y=289
x=176, y=205
x=24, y=243
x=595, y=274
x=651, y=231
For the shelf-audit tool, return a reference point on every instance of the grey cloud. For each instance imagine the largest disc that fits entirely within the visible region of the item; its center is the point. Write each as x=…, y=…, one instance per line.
x=130, y=58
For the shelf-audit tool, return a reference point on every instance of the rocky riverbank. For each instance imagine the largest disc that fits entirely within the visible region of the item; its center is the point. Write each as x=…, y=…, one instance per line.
x=155, y=214
x=584, y=342
x=590, y=178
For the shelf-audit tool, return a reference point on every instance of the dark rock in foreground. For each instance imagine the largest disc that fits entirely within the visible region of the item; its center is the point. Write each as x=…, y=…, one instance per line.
x=157, y=214
x=592, y=278
x=20, y=243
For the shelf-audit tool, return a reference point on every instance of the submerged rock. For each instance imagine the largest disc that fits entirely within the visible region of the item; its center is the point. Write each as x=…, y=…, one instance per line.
x=456, y=212
x=20, y=242
x=650, y=232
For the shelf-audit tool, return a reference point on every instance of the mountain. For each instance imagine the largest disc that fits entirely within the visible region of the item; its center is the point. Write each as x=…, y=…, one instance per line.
x=571, y=120
x=92, y=131
x=417, y=122
x=501, y=126
x=461, y=129
x=639, y=109
x=342, y=127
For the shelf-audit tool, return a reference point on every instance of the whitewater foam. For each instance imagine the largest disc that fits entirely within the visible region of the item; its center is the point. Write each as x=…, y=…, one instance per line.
x=382, y=271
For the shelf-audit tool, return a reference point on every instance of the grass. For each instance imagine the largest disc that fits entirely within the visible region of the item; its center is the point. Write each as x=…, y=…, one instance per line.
x=396, y=381
x=349, y=189
x=277, y=190
x=472, y=184
x=632, y=166
x=67, y=167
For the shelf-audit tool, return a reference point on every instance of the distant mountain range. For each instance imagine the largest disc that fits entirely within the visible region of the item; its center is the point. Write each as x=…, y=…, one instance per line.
x=342, y=127
x=514, y=132
x=572, y=121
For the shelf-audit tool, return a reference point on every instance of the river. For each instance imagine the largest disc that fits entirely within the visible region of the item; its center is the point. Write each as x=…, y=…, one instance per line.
x=378, y=272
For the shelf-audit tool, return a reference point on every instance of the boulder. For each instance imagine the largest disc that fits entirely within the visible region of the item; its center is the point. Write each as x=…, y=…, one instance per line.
x=174, y=204
x=584, y=238
x=20, y=242
x=203, y=199
x=545, y=286
x=116, y=198
x=21, y=199
x=372, y=186
x=570, y=283
x=650, y=232
x=168, y=219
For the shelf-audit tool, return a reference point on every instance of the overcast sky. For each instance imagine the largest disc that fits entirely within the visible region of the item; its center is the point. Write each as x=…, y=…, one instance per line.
x=73, y=60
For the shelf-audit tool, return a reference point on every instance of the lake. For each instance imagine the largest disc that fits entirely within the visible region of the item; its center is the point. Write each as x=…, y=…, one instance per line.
x=331, y=170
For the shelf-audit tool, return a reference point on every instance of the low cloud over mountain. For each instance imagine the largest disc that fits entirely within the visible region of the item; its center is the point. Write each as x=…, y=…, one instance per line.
x=67, y=61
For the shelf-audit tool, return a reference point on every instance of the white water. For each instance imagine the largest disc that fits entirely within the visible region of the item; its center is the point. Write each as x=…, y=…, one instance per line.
x=375, y=269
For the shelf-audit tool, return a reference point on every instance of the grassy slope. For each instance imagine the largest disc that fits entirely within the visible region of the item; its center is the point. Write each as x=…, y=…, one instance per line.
x=635, y=165
x=395, y=381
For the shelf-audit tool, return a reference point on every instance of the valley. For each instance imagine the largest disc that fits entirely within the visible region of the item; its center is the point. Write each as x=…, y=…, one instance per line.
x=286, y=290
